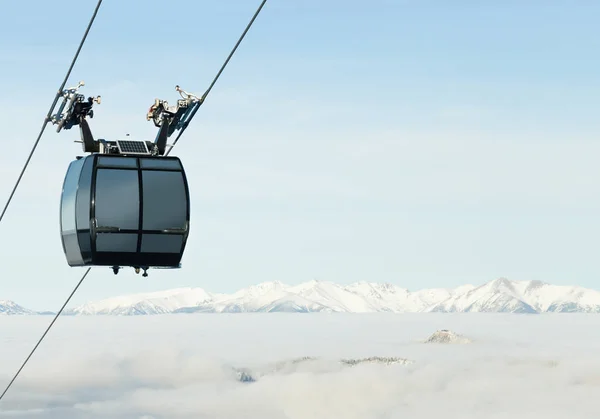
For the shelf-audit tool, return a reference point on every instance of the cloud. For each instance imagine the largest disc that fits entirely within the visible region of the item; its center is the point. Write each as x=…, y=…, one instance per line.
x=185, y=367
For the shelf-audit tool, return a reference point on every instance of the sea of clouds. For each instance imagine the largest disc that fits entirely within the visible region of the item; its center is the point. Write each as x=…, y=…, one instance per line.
x=188, y=366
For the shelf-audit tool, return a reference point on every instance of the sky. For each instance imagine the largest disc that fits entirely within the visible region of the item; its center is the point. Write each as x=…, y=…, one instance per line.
x=515, y=366
x=425, y=144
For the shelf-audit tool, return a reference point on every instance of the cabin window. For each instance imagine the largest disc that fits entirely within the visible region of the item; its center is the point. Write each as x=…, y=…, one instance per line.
x=107, y=242
x=82, y=210
x=69, y=195
x=162, y=243
x=121, y=162
x=84, y=196
x=160, y=164
x=67, y=219
x=164, y=200
x=117, y=199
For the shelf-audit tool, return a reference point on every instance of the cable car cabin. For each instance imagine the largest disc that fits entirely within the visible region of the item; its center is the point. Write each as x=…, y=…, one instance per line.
x=121, y=210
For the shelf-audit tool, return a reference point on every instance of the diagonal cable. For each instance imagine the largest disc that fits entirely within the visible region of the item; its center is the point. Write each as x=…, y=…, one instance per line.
x=44, y=335
x=197, y=105
x=49, y=115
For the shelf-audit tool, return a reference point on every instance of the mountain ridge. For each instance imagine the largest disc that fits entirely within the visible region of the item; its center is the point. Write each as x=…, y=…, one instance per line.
x=497, y=296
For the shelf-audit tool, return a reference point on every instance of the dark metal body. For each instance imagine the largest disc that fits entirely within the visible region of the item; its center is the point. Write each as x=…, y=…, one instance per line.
x=119, y=210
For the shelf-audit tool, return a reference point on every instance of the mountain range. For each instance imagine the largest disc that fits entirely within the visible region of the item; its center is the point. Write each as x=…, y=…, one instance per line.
x=497, y=296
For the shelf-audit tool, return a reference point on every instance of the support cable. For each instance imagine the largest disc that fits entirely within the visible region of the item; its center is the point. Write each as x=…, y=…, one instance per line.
x=197, y=105
x=44, y=335
x=49, y=115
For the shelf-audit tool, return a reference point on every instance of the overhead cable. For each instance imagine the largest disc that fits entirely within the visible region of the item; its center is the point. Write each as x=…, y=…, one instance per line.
x=199, y=103
x=49, y=115
x=45, y=333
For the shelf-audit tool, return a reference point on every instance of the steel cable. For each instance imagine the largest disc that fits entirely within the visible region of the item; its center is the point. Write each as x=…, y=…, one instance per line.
x=49, y=115
x=197, y=105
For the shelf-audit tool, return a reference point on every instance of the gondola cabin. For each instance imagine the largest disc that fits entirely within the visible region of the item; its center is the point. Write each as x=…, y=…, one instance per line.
x=125, y=210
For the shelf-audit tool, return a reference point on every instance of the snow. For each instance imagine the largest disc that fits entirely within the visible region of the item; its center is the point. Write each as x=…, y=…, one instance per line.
x=500, y=295
x=8, y=307
x=333, y=296
x=147, y=303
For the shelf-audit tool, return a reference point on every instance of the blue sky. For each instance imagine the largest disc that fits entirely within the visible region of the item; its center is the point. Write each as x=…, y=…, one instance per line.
x=427, y=144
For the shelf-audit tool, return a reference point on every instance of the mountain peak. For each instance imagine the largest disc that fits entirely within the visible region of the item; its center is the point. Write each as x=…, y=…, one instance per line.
x=535, y=284
x=501, y=282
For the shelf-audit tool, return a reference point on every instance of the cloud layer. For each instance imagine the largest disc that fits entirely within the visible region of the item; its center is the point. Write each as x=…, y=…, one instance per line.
x=185, y=366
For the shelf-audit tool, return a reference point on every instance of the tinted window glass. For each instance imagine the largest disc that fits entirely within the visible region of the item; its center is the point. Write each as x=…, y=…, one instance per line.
x=107, y=242
x=165, y=200
x=84, y=197
x=126, y=162
x=85, y=245
x=67, y=207
x=161, y=243
x=160, y=163
x=71, y=247
x=117, y=198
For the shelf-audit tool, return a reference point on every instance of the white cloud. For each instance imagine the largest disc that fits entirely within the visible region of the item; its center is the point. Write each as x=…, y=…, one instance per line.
x=182, y=366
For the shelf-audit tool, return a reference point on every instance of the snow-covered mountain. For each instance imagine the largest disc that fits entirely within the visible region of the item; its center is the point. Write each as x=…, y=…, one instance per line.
x=500, y=295
x=503, y=295
x=10, y=308
x=159, y=302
